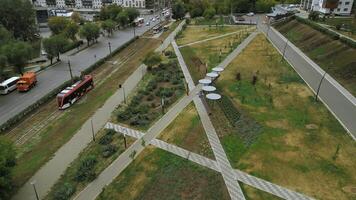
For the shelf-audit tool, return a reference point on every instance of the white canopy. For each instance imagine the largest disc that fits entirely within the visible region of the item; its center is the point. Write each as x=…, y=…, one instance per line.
x=209, y=88
x=204, y=81
x=218, y=69
x=212, y=75
x=213, y=96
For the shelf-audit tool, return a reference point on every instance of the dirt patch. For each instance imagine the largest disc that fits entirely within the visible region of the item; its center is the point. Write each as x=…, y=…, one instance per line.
x=311, y=126
x=283, y=124
x=350, y=189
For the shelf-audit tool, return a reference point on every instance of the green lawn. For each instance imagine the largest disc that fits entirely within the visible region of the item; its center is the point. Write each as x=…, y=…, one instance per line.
x=157, y=174
x=280, y=133
x=187, y=131
x=333, y=56
x=348, y=23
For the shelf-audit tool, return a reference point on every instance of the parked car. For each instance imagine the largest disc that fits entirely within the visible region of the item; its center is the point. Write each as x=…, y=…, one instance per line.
x=250, y=14
x=147, y=23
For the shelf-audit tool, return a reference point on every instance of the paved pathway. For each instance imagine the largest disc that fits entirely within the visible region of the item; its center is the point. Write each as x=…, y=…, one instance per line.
x=48, y=174
x=337, y=99
x=111, y=172
x=226, y=170
x=212, y=164
x=216, y=37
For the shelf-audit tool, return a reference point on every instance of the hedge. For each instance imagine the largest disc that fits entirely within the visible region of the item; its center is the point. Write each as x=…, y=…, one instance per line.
x=72, y=45
x=20, y=116
x=332, y=34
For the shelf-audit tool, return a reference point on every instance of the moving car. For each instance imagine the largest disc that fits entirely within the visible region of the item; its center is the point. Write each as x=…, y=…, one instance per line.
x=250, y=14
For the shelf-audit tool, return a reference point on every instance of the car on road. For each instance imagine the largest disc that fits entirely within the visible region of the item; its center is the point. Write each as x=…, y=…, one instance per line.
x=8, y=85
x=147, y=23
x=154, y=19
x=250, y=14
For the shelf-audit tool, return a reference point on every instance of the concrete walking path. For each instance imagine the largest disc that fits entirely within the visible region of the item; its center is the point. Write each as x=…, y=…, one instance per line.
x=49, y=173
x=111, y=172
x=212, y=164
x=233, y=187
x=340, y=102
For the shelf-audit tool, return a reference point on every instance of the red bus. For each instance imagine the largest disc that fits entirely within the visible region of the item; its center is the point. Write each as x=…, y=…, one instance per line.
x=71, y=94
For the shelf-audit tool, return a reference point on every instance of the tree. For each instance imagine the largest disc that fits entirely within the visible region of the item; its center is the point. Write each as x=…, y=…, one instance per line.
x=3, y=61
x=209, y=13
x=108, y=25
x=132, y=14
x=18, y=16
x=7, y=163
x=90, y=31
x=17, y=54
x=76, y=17
x=54, y=45
x=57, y=24
x=313, y=15
x=71, y=30
x=196, y=12
x=122, y=18
x=152, y=59
x=178, y=10
x=5, y=35
x=264, y=5
x=110, y=12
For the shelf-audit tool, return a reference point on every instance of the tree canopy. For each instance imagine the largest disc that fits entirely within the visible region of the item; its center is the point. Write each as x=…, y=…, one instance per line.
x=209, y=13
x=132, y=14
x=17, y=54
x=54, y=45
x=90, y=31
x=57, y=24
x=7, y=162
x=18, y=16
x=71, y=30
x=152, y=59
x=122, y=18
x=108, y=25
x=178, y=10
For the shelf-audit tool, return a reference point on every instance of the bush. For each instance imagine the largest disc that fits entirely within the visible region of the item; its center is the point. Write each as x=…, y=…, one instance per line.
x=106, y=139
x=152, y=59
x=338, y=27
x=72, y=45
x=86, y=172
x=313, y=15
x=108, y=150
x=64, y=192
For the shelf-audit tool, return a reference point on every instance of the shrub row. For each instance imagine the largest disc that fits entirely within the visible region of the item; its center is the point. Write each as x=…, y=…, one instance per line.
x=72, y=45
x=332, y=34
x=20, y=116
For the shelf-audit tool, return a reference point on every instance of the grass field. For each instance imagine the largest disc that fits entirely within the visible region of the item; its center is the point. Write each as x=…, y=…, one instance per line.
x=282, y=134
x=156, y=174
x=108, y=146
x=196, y=33
x=41, y=146
x=187, y=131
x=333, y=56
x=254, y=194
x=210, y=53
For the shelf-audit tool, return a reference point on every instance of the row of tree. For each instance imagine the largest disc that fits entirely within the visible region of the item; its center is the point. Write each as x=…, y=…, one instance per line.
x=208, y=8
x=17, y=32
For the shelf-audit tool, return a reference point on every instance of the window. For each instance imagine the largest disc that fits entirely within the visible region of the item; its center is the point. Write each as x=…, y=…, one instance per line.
x=345, y=9
x=347, y=3
x=338, y=10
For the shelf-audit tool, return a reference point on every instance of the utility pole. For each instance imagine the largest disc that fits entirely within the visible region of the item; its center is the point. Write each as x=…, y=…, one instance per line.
x=34, y=188
x=92, y=129
x=109, y=47
x=125, y=141
x=123, y=90
x=317, y=92
x=70, y=71
x=284, y=50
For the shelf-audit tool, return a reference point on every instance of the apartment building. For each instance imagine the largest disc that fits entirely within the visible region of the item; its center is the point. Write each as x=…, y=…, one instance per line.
x=87, y=4
x=337, y=7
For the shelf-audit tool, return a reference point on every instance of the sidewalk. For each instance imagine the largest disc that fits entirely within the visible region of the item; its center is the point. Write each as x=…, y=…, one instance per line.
x=47, y=176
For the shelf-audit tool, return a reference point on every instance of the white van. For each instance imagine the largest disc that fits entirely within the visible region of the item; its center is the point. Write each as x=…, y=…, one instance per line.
x=8, y=85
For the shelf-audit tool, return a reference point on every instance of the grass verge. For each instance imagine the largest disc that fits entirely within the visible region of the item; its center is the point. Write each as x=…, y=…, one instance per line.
x=156, y=174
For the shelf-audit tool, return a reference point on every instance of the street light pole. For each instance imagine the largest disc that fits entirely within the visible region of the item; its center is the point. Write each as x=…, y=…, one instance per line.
x=70, y=71
x=92, y=129
x=109, y=47
x=34, y=188
x=284, y=50
x=319, y=86
x=123, y=90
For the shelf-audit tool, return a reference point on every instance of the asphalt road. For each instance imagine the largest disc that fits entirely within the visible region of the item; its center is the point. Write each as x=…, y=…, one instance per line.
x=338, y=100
x=49, y=79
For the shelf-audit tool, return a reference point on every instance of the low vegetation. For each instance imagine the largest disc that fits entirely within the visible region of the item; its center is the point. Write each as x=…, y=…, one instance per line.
x=156, y=174
x=159, y=89
x=333, y=56
x=287, y=131
x=91, y=162
x=186, y=131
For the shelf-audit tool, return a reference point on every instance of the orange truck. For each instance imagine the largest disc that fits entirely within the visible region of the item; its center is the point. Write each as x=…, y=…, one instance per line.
x=26, y=82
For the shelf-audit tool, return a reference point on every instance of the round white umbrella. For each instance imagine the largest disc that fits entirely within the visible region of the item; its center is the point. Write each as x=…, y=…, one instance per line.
x=205, y=81
x=208, y=88
x=213, y=96
x=218, y=69
x=212, y=75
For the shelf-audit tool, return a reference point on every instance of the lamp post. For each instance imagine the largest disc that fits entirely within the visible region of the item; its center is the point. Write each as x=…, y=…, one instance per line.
x=33, y=183
x=92, y=129
x=123, y=90
x=317, y=92
x=284, y=50
x=70, y=71
x=109, y=47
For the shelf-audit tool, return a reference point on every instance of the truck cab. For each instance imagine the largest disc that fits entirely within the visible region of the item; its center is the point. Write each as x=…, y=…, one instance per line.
x=26, y=82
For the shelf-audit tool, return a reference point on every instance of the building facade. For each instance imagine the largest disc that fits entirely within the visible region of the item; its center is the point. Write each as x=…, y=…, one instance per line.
x=87, y=4
x=338, y=7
